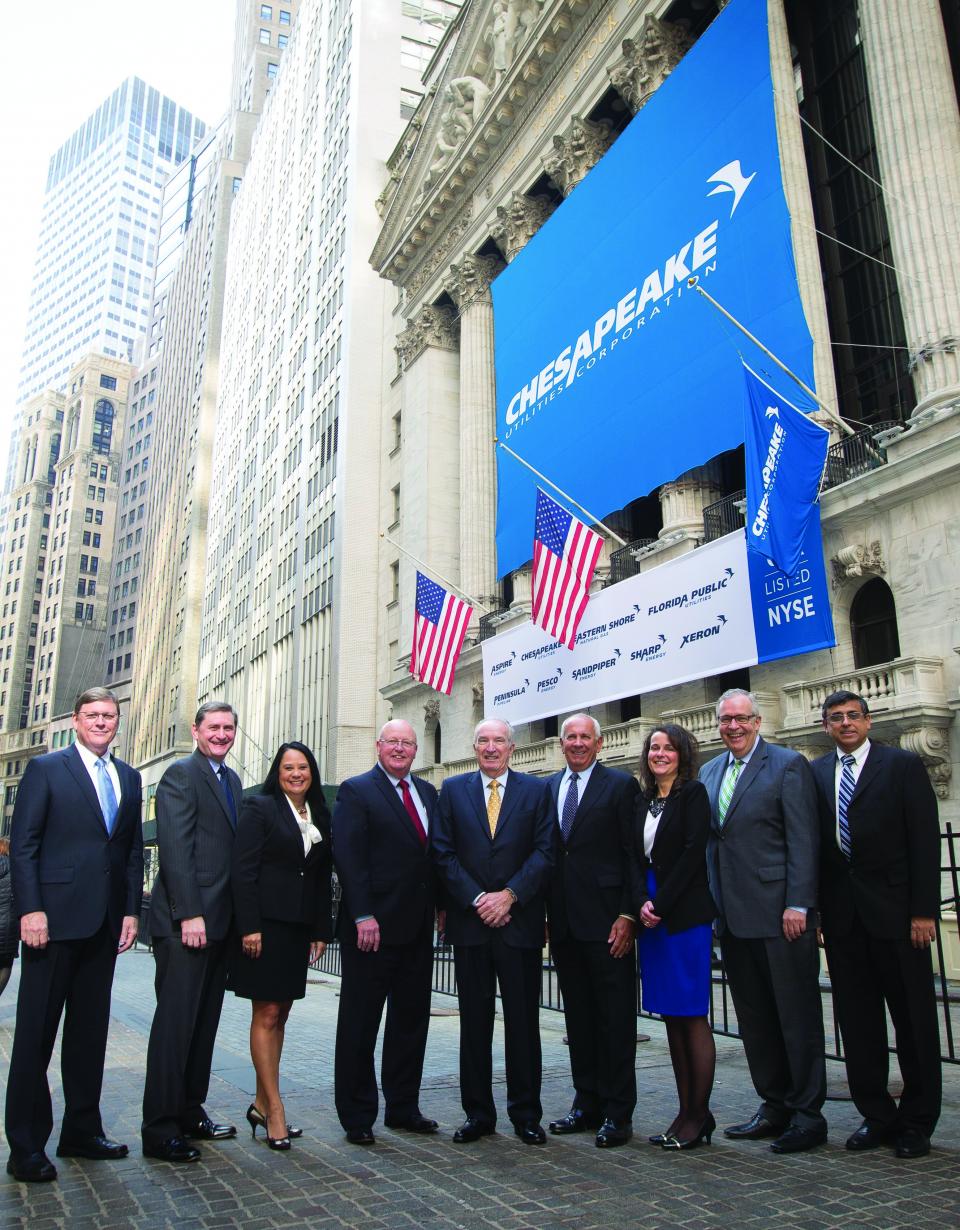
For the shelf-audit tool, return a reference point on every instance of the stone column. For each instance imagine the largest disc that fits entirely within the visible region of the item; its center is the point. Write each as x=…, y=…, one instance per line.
x=683, y=500
x=478, y=473
x=796, y=187
x=914, y=107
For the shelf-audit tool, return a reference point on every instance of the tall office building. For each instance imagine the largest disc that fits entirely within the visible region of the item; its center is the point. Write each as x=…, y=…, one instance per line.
x=289, y=606
x=174, y=419
x=93, y=274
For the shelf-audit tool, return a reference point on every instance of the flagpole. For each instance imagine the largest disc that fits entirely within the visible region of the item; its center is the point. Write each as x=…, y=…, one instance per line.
x=426, y=567
x=569, y=498
x=694, y=284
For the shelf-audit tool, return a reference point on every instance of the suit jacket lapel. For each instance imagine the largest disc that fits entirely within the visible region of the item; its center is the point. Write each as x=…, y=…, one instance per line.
x=666, y=819
x=392, y=793
x=871, y=768
x=825, y=772
x=745, y=780
x=287, y=821
x=80, y=775
x=591, y=796
x=213, y=784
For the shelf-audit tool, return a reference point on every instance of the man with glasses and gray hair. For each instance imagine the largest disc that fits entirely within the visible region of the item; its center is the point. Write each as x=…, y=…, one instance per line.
x=383, y=824
x=762, y=862
x=879, y=900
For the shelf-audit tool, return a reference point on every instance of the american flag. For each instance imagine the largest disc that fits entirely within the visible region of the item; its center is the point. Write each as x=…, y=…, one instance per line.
x=439, y=626
x=565, y=554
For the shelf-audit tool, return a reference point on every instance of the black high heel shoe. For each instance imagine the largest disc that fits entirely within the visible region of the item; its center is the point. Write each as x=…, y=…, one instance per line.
x=256, y=1118
x=661, y=1138
x=702, y=1137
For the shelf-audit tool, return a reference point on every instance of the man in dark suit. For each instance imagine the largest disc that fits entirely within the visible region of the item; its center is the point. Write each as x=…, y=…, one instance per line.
x=762, y=863
x=383, y=824
x=494, y=847
x=191, y=910
x=76, y=861
x=879, y=901
x=592, y=931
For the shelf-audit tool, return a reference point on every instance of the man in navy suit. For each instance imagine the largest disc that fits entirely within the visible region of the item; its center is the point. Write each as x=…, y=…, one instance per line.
x=592, y=930
x=76, y=860
x=879, y=901
x=383, y=824
x=191, y=922
x=494, y=846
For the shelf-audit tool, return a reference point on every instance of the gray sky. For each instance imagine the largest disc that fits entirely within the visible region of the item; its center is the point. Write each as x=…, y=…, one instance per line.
x=62, y=59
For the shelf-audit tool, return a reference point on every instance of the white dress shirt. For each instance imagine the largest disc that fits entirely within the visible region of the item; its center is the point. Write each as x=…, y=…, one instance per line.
x=90, y=764
x=583, y=775
x=859, y=756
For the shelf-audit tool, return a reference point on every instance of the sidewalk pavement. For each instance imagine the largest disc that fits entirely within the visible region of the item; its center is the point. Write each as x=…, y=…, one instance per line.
x=498, y=1182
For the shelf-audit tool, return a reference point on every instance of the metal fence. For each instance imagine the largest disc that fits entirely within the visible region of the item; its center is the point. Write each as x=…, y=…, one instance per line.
x=722, y=1015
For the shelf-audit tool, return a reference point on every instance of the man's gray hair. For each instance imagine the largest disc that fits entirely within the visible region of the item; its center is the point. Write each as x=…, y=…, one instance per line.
x=215, y=706
x=739, y=691
x=729, y=695
x=502, y=721
x=586, y=717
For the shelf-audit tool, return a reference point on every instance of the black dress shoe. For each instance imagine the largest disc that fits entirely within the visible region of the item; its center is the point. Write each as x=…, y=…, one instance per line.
x=575, y=1120
x=416, y=1123
x=755, y=1128
x=94, y=1147
x=360, y=1136
x=912, y=1143
x=612, y=1134
x=471, y=1130
x=33, y=1168
x=531, y=1133
x=869, y=1136
x=174, y=1149
x=797, y=1139
x=206, y=1129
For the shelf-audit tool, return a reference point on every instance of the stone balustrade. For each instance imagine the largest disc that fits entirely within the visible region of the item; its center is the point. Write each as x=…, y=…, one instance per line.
x=900, y=686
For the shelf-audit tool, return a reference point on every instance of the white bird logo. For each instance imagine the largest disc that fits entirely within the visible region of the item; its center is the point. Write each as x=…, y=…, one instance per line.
x=772, y=412
x=731, y=179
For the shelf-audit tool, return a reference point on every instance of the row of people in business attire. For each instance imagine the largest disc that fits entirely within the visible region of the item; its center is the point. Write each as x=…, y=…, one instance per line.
x=489, y=853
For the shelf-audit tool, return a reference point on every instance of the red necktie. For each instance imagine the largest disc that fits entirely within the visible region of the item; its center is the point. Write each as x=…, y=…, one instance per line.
x=412, y=811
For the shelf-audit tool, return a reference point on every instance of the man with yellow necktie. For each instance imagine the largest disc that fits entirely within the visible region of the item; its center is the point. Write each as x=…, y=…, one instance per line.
x=493, y=845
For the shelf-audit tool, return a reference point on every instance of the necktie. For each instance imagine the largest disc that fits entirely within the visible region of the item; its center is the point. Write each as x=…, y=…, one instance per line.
x=570, y=803
x=727, y=787
x=847, y=786
x=493, y=806
x=225, y=783
x=412, y=811
x=106, y=794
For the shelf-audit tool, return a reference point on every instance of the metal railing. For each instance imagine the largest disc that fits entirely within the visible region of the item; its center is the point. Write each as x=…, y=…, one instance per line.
x=622, y=561
x=722, y=1016
x=855, y=455
x=724, y=516
x=487, y=626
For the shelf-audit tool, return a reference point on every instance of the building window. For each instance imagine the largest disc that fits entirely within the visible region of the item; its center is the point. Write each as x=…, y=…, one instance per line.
x=284, y=17
x=282, y=40
x=873, y=625
x=272, y=71
x=108, y=382
x=103, y=415
x=265, y=37
x=266, y=12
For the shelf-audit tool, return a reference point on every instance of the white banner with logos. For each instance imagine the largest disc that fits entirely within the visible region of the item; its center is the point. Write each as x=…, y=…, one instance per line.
x=686, y=619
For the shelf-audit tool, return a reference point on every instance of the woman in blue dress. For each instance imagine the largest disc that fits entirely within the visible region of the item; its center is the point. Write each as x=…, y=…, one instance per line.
x=676, y=911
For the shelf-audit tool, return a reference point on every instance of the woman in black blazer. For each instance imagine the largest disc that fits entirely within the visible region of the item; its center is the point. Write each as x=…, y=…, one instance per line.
x=676, y=910
x=282, y=900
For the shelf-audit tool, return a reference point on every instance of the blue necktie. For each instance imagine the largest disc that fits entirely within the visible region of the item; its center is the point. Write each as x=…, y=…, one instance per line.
x=225, y=783
x=847, y=787
x=569, y=813
x=106, y=794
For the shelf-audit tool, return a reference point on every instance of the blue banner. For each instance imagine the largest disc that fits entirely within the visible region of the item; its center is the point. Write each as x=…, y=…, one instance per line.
x=785, y=454
x=791, y=611
x=612, y=375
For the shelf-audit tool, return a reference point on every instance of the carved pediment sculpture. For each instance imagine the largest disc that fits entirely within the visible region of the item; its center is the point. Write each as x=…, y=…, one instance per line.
x=576, y=152
x=856, y=561
x=464, y=99
x=648, y=60
x=433, y=326
x=932, y=745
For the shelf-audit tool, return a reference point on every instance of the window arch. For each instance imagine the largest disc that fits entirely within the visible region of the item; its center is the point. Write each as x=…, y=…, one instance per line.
x=873, y=624
x=437, y=745
x=103, y=413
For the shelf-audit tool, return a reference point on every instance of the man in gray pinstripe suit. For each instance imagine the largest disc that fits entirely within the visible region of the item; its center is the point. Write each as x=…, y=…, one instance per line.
x=191, y=913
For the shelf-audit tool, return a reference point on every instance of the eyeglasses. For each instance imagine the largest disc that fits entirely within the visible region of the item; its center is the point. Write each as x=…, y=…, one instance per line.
x=86, y=716
x=408, y=745
x=737, y=719
x=852, y=715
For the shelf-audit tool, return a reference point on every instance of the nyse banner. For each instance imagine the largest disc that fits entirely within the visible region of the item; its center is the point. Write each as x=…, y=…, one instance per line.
x=612, y=375
x=705, y=613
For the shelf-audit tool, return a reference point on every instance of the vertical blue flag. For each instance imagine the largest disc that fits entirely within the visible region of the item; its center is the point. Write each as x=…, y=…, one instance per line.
x=785, y=456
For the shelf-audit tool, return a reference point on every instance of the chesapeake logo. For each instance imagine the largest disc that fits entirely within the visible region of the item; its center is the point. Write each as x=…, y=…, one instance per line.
x=548, y=684
x=596, y=668
x=499, y=667
x=700, y=593
x=544, y=651
x=639, y=306
x=650, y=653
x=502, y=698
x=758, y=527
x=702, y=634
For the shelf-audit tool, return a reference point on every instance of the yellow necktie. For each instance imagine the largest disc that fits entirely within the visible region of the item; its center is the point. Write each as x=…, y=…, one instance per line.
x=493, y=806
